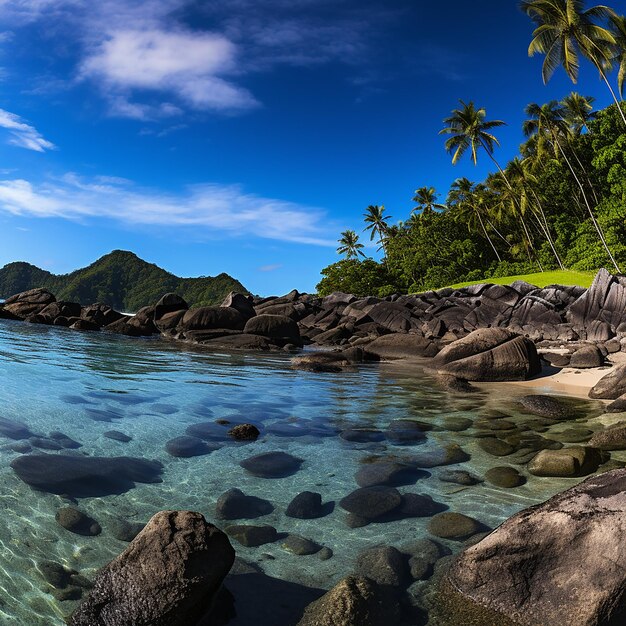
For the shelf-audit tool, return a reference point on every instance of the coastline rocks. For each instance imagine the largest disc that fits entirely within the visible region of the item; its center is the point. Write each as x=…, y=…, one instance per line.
x=560, y=563
x=27, y=303
x=587, y=356
x=84, y=476
x=168, y=575
x=490, y=354
x=77, y=522
x=277, y=327
x=402, y=346
x=211, y=317
x=243, y=304
x=611, y=386
x=567, y=462
x=272, y=465
x=354, y=601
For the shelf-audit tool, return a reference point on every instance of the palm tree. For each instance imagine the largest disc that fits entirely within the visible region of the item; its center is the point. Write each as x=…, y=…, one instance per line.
x=565, y=30
x=546, y=121
x=463, y=197
x=349, y=245
x=426, y=198
x=618, y=23
x=578, y=111
x=376, y=221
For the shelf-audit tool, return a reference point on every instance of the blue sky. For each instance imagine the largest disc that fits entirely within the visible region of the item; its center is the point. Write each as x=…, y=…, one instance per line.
x=242, y=135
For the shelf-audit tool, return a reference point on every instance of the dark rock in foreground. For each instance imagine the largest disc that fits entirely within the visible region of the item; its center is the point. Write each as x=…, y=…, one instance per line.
x=168, y=575
x=85, y=476
x=354, y=601
x=560, y=563
x=272, y=465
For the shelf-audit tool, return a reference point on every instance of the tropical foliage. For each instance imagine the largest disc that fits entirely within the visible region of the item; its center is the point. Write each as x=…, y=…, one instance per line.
x=560, y=204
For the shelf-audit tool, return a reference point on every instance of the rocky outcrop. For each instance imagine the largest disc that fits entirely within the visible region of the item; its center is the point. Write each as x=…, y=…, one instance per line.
x=168, y=576
x=611, y=386
x=560, y=563
x=23, y=305
x=490, y=354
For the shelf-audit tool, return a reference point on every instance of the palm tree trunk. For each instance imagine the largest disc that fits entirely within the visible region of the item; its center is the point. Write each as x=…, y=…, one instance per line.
x=480, y=219
x=617, y=103
x=593, y=217
x=546, y=229
x=582, y=167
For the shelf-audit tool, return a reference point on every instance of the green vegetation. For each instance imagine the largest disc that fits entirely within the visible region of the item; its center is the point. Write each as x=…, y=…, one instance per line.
x=559, y=205
x=120, y=279
x=540, y=279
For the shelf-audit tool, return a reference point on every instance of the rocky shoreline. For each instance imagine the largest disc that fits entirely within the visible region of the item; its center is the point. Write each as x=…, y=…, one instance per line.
x=480, y=333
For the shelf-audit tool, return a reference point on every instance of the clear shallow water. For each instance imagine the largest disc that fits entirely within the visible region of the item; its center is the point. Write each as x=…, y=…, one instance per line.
x=58, y=380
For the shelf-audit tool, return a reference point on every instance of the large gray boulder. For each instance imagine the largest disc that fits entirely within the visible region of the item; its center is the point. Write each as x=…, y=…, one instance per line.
x=278, y=327
x=490, y=354
x=168, y=575
x=560, y=563
x=612, y=385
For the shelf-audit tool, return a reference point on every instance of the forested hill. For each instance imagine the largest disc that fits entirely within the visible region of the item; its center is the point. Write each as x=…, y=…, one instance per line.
x=120, y=279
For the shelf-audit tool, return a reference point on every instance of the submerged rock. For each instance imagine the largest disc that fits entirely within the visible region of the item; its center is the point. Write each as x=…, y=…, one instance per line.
x=385, y=565
x=613, y=438
x=235, y=504
x=560, y=563
x=567, y=462
x=272, y=465
x=450, y=525
x=168, y=576
x=244, y=432
x=252, y=536
x=186, y=446
x=547, y=406
x=300, y=546
x=85, y=476
x=77, y=522
x=306, y=505
x=371, y=503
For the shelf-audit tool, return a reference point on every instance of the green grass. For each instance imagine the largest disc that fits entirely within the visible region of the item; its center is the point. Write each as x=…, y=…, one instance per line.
x=541, y=279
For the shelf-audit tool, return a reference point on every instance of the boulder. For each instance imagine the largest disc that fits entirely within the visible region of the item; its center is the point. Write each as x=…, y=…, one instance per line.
x=278, y=327
x=354, y=601
x=234, y=504
x=211, y=317
x=611, y=386
x=306, y=505
x=252, y=536
x=490, y=354
x=168, y=575
x=567, y=462
x=28, y=303
x=169, y=303
x=77, y=522
x=402, y=346
x=450, y=525
x=272, y=465
x=100, y=314
x=613, y=438
x=587, y=356
x=243, y=304
x=385, y=565
x=560, y=563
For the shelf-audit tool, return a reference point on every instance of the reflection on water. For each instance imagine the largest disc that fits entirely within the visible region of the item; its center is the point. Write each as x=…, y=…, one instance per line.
x=149, y=391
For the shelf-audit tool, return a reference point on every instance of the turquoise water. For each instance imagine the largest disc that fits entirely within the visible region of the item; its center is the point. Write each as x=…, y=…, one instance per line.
x=53, y=379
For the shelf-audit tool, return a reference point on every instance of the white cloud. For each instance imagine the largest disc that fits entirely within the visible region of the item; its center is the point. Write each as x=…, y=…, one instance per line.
x=270, y=268
x=22, y=134
x=209, y=209
x=187, y=64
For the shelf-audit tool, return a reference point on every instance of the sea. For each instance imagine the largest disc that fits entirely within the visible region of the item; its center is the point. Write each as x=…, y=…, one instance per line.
x=84, y=384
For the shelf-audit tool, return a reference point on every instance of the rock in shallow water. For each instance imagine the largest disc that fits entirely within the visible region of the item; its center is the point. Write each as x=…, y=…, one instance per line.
x=451, y=525
x=272, y=465
x=77, y=522
x=235, y=504
x=306, y=505
x=354, y=601
x=371, y=503
x=168, y=575
x=186, y=447
x=85, y=476
x=560, y=563
x=567, y=462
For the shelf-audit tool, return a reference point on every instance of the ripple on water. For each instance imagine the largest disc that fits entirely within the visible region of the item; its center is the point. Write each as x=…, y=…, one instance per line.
x=119, y=396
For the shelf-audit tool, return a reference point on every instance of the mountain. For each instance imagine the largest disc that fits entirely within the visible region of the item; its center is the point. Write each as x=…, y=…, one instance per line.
x=120, y=279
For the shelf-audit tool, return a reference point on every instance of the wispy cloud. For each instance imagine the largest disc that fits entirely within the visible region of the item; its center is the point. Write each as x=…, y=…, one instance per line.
x=270, y=268
x=22, y=134
x=210, y=210
x=187, y=64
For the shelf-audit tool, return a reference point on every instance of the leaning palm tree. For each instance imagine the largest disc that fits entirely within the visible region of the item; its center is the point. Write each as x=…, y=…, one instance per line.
x=565, y=31
x=578, y=111
x=376, y=221
x=618, y=23
x=426, y=198
x=349, y=245
x=547, y=123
